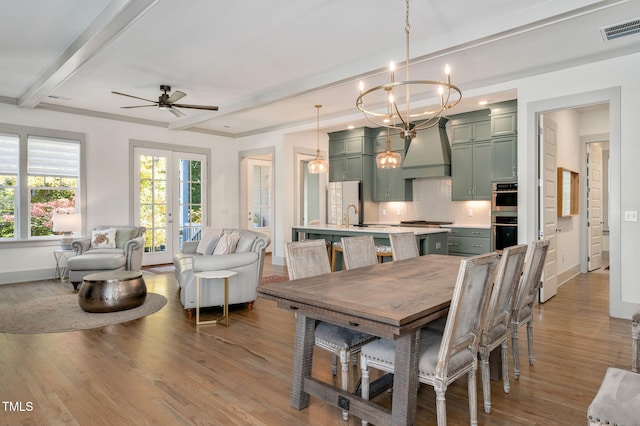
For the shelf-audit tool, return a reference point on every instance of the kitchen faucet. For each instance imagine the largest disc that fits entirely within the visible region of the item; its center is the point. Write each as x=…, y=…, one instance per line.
x=346, y=215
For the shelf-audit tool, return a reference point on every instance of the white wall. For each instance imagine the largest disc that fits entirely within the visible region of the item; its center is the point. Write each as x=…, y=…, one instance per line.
x=108, y=189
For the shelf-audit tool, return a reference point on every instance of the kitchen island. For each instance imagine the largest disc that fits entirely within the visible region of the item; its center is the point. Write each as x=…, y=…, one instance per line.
x=430, y=240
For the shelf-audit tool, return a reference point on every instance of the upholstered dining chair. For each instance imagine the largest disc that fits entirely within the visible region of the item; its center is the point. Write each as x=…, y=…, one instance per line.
x=309, y=258
x=446, y=356
x=495, y=331
x=526, y=295
x=359, y=251
x=404, y=245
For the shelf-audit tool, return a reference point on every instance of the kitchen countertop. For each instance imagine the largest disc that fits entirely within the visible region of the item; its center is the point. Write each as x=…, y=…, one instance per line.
x=377, y=229
x=467, y=226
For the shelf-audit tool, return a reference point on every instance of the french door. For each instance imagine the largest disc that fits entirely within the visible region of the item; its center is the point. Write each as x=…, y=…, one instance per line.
x=170, y=200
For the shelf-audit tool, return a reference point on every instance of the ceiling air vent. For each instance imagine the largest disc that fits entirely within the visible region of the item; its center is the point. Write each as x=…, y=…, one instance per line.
x=622, y=29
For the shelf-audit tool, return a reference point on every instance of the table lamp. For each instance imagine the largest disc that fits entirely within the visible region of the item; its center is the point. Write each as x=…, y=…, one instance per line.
x=67, y=224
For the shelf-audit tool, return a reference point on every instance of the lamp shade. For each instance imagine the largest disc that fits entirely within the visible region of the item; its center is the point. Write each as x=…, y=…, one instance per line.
x=67, y=222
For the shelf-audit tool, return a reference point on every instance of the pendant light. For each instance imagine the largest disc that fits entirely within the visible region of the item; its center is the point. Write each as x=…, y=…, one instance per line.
x=388, y=159
x=318, y=165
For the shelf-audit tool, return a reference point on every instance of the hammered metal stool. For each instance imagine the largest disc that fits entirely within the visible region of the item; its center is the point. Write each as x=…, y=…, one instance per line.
x=635, y=339
x=112, y=291
x=617, y=400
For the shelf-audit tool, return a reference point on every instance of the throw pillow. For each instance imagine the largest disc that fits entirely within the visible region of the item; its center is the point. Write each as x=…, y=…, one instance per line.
x=209, y=240
x=227, y=243
x=104, y=238
x=245, y=242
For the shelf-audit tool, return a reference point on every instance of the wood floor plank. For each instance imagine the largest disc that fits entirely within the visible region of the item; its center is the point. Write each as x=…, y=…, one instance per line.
x=162, y=370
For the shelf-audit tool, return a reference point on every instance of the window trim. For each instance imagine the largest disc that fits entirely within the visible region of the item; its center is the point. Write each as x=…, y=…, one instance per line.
x=23, y=238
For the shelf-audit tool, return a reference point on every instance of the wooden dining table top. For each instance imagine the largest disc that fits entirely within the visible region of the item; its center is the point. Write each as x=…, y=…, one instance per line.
x=388, y=299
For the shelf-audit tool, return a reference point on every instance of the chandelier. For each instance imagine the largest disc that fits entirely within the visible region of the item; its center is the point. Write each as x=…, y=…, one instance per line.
x=395, y=114
x=318, y=165
x=388, y=159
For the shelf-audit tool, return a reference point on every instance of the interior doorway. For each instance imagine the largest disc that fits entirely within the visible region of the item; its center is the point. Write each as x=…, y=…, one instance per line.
x=257, y=192
x=580, y=240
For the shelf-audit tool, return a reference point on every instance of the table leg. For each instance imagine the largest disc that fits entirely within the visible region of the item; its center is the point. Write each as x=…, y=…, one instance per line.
x=405, y=379
x=302, y=360
x=225, y=308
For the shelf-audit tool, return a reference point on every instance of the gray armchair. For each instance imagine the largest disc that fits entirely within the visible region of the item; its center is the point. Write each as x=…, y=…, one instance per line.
x=125, y=255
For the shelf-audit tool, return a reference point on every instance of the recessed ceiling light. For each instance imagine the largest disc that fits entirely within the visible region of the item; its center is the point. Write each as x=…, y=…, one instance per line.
x=351, y=126
x=483, y=103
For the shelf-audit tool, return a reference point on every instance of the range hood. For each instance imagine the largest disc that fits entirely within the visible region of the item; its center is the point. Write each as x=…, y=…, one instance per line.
x=429, y=154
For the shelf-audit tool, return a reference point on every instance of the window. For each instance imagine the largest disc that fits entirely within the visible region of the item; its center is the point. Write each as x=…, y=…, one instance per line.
x=39, y=177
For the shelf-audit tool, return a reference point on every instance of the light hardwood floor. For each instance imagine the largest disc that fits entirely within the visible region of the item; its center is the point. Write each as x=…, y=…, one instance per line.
x=163, y=370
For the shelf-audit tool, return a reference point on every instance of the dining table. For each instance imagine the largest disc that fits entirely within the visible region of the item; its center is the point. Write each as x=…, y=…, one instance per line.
x=392, y=300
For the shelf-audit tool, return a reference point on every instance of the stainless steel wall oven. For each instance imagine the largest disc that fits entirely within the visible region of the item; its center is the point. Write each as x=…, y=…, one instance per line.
x=504, y=197
x=505, y=231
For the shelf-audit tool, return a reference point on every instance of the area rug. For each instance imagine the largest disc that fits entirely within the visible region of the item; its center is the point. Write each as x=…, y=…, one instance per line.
x=62, y=313
x=269, y=279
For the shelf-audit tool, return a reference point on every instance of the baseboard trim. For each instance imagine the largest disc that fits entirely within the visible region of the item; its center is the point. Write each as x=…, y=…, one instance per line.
x=568, y=274
x=25, y=276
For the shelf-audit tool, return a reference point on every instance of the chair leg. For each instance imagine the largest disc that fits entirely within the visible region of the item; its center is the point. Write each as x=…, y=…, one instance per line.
x=514, y=348
x=530, y=340
x=473, y=402
x=505, y=367
x=441, y=403
x=635, y=345
x=486, y=379
x=345, y=359
x=364, y=382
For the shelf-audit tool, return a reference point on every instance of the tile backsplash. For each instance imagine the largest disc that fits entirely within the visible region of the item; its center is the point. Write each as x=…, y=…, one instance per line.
x=432, y=201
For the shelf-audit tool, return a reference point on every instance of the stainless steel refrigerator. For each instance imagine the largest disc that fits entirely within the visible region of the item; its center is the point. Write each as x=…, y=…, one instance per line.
x=340, y=196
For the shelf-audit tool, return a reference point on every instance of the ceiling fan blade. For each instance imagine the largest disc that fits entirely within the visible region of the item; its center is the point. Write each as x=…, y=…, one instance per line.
x=176, y=112
x=138, y=106
x=207, y=107
x=176, y=96
x=135, y=97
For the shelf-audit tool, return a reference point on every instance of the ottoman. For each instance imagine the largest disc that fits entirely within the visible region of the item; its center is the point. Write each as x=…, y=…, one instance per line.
x=617, y=400
x=112, y=291
x=85, y=264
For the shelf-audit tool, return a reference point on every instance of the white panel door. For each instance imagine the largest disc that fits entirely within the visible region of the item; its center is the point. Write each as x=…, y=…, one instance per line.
x=260, y=197
x=170, y=192
x=594, y=206
x=548, y=217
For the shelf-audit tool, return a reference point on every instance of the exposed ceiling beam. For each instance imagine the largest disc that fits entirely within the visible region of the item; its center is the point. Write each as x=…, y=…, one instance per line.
x=113, y=20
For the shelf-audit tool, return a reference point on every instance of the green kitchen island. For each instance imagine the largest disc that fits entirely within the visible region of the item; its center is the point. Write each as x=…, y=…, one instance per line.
x=430, y=240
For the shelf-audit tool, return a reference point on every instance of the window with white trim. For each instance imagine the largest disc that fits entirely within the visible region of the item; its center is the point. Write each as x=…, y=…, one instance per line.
x=39, y=177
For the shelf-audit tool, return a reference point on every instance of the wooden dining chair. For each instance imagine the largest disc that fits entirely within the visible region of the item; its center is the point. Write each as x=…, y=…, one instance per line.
x=309, y=258
x=526, y=295
x=358, y=252
x=447, y=356
x=404, y=245
x=495, y=331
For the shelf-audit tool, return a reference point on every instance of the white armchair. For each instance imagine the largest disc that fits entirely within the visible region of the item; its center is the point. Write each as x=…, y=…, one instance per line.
x=125, y=253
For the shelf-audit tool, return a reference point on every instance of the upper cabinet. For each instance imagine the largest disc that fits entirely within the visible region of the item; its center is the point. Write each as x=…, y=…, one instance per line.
x=350, y=154
x=471, y=156
x=504, y=141
x=389, y=184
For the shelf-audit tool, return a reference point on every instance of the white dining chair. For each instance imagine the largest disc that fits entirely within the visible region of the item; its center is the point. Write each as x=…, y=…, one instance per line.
x=495, y=331
x=526, y=295
x=404, y=245
x=359, y=252
x=309, y=258
x=447, y=356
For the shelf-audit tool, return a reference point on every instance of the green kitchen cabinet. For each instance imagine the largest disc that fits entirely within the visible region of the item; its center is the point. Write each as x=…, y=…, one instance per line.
x=390, y=185
x=505, y=161
x=469, y=241
x=471, y=171
x=350, y=154
x=504, y=119
x=470, y=127
x=348, y=167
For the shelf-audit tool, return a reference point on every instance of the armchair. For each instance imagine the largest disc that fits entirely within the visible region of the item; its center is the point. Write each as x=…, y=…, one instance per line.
x=247, y=260
x=123, y=252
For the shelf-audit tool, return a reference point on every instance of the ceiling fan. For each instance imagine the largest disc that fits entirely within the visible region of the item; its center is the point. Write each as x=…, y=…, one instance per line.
x=168, y=102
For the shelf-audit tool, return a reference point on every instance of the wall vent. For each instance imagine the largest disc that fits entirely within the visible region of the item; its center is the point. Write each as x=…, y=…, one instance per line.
x=620, y=30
